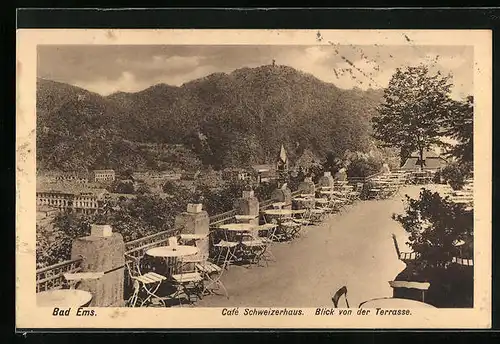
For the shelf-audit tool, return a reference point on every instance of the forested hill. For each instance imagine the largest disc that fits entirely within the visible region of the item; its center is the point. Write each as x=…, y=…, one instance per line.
x=223, y=120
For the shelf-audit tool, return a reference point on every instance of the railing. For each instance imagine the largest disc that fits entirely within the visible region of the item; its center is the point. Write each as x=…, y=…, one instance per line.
x=138, y=247
x=52, y=277
x=266, y=204
x=354, y=180
x=220, y=219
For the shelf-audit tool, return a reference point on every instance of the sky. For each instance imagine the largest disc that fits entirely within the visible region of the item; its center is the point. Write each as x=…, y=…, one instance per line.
x=106, y=69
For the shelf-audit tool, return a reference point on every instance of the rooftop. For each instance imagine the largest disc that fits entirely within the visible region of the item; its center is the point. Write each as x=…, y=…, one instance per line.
x=69, y=188
x=104, y=171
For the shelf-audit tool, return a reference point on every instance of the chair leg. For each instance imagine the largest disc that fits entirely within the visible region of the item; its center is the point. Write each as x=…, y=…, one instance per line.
x=133, y=299
x=152, y=294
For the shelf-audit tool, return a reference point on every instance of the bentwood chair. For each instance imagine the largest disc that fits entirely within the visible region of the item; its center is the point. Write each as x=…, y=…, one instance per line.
x=145, y=285
x=253, y=248
x=405, y=257
x=338, y=294
x=187, y=284
x=212, y=274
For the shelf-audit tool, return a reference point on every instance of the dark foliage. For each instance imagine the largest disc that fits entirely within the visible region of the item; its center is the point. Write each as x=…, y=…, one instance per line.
x=455, y=174
x=122, y=187
x=363, y=167
x=460, y=126
x=223, y=120
x=434, y=224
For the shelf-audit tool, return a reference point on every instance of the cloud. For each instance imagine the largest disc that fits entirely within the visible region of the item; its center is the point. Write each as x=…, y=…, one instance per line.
x=107, y=69
x=125, y=83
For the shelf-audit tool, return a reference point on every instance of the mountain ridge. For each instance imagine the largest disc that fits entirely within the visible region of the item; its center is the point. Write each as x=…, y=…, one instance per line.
x=224, y=119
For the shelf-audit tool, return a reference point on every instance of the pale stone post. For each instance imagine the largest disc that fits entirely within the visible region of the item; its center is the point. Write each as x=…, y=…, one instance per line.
x=102, y=251
x=195, y=221
x=307, y=186
x=326, y=180
x=248, y=204
x=283, y=194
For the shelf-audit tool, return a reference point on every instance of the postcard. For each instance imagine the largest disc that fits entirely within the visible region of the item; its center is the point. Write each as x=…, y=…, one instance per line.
x=264, y=179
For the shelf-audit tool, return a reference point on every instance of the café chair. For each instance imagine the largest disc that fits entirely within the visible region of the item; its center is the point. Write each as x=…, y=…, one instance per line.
x=187, y=283
x=338, y=294
x=405, y=257
x=145, y=285
x=212, y=273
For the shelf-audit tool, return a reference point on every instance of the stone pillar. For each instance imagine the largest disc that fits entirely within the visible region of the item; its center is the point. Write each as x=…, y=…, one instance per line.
x=283, y=195
x=326, y=180
x=102, y=254
x=195, y=221
x=248, y=204
x=307, y=186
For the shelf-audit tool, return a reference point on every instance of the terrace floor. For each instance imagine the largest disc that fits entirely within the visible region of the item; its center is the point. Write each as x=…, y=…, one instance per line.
x=353, y=248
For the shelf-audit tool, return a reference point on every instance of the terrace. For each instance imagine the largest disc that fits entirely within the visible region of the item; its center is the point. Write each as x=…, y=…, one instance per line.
x=351, y=246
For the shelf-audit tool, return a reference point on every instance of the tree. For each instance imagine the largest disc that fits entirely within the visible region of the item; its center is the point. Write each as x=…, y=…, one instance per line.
x=460, y=126
x=122, y=187
x=416, y=103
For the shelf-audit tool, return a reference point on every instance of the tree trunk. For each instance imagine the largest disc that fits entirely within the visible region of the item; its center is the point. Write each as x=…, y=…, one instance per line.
x=421, y=156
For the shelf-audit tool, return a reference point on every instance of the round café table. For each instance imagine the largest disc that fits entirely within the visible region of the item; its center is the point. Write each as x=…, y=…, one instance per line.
x=190, y=237
x=304, y=202
x=284, y=212
x=392, y=302
x=171, y=256
x=172, y=251
x=245, y=218
x=234, y=231
x=63, y=298
x=238, y=227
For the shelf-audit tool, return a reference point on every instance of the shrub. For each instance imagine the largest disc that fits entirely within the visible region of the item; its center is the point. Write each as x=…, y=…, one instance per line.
x=455, y=174
x=434, y=223
x=363, y=167
x=143, y=189
x=122, y=187
x=169, y=187
x=436, y=178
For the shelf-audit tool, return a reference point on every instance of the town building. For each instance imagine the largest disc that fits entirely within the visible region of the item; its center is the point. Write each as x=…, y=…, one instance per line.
x=156, y=175
x=76, y=177
x=102, y=175
x=81, y=200
x=235, y=174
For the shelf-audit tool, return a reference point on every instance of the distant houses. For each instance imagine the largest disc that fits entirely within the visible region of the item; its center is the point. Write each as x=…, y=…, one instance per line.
x=77, y=177
x=102, y=176
x=265, y=173
x=94, y=176
x=236, y=174
x=156, y=176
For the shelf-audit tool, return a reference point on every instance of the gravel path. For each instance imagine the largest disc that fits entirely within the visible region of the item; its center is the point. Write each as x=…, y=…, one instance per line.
x=354, y=248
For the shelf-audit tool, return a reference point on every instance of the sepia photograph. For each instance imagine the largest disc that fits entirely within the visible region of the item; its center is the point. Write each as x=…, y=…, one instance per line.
x=318, y=179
